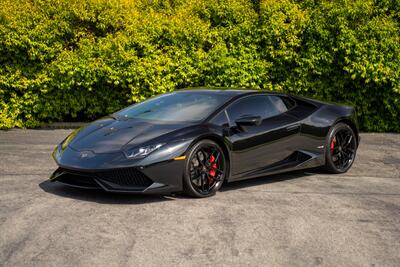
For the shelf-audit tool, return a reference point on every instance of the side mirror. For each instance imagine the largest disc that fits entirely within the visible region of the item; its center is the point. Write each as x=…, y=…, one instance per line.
x=248, y=121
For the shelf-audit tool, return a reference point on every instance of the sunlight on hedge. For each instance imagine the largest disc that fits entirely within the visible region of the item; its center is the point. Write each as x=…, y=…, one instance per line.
x=81, y=59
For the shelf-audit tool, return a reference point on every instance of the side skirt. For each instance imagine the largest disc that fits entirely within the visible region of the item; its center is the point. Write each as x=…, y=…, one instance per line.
x=299, y=160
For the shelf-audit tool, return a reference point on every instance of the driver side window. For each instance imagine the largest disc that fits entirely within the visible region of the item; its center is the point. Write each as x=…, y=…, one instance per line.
x=257, y=105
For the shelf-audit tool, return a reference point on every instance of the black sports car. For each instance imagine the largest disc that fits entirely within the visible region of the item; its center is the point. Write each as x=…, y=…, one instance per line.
x=194, y=140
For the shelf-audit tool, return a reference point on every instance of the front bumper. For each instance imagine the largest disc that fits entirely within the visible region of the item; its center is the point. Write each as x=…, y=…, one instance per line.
x=113, y=173
x=126, y=180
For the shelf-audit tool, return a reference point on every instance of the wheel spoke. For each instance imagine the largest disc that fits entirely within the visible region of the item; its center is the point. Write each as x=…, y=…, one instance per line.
x=198, y=180
x=218, y=179
x=217, y=157
x=349, y=141
x=195, y=176
x=209, y=185
x=206, y=184
x=338, y=139
x=220, y=171
x=200, y=157
x=205, y=156
x=335, y=152
x=202, y=181
x=342, y=160
x=342, y=138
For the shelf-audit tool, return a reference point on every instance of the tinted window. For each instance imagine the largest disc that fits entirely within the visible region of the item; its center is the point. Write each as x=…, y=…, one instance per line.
x=220, y=119
x=176, y=107
x=289, y=102
x=278, y=103
x=260, y=105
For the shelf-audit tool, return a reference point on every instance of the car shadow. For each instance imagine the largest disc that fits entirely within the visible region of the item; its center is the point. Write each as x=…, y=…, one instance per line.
x=103, y=197
x=269, y=179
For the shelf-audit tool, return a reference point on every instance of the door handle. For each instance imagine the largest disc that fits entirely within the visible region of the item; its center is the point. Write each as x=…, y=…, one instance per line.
x=293, y=127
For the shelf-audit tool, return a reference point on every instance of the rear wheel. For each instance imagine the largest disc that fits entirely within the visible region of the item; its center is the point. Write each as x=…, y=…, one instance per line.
x=205, y=169
x=341, y=148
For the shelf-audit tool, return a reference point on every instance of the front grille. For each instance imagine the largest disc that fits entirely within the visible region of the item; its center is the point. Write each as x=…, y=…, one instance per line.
x=77, y=180
x=129, y=177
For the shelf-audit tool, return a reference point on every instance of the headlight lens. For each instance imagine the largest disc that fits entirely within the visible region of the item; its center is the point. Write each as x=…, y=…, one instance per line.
x=56, y=152
x=69, y=138
x=139, y=153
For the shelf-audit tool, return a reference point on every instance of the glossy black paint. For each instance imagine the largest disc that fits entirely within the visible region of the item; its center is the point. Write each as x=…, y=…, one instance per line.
x=292, y=140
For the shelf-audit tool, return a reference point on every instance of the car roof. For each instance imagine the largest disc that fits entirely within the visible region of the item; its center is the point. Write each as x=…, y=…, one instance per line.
x=226, y=91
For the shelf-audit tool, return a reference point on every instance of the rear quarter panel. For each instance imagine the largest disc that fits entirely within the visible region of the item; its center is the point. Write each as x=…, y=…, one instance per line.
x=317, y=118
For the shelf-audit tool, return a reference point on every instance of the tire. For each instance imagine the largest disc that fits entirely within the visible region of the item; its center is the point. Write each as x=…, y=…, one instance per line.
x=340, y=149
x=205, y=169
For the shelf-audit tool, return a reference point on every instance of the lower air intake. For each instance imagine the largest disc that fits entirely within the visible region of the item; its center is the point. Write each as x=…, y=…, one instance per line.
x=77, y=179
x=129, y=177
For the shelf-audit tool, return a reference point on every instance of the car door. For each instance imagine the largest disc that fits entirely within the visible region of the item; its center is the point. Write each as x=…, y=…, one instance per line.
x=255, y=147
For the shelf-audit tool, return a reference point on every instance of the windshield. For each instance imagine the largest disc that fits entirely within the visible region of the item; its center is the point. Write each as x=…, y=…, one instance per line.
x=176, y=107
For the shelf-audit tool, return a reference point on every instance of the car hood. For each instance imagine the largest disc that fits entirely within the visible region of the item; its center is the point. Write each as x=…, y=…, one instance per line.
x=109, y=135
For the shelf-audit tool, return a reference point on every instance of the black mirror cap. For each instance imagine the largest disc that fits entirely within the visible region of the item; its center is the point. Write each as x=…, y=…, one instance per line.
x=248, y=121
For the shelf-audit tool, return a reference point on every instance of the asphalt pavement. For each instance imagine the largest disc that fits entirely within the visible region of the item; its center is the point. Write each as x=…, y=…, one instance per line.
x=297, y=219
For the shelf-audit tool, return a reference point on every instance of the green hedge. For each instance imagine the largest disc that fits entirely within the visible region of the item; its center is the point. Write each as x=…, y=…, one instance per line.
x=80, y=59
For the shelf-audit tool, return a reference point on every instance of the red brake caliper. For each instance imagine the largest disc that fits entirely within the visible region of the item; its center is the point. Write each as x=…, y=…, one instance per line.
x=333, y=144
x=213, y=170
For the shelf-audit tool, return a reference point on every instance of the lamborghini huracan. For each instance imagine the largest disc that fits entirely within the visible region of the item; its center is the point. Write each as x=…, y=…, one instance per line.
x=193, y=141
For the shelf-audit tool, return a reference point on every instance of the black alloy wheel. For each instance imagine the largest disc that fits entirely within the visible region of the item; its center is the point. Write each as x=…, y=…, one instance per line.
x=341, y=148
x=205, y=169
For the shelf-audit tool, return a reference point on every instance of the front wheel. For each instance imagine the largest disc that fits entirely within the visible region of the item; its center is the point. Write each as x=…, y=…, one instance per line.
x=205, y=169
x=341, y=148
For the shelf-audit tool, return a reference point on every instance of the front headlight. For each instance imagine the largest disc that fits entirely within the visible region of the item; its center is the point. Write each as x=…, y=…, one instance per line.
x=139, y=153
x=56, y=153
x=69, y=138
